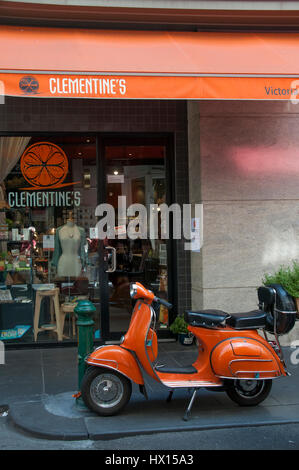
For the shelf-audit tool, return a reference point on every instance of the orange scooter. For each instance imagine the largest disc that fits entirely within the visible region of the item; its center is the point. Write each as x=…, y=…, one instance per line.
x=232, y=355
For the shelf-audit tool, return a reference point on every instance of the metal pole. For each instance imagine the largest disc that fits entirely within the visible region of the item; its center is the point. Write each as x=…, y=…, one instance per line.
x=84, y=311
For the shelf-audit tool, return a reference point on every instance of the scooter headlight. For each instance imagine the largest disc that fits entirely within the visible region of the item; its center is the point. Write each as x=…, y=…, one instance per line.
x=133, y=291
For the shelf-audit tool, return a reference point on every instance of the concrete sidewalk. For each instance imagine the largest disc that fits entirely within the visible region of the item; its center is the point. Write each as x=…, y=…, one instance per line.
x=38, y=386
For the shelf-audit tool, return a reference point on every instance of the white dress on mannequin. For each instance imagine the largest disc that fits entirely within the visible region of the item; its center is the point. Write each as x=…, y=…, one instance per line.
x=69, y=263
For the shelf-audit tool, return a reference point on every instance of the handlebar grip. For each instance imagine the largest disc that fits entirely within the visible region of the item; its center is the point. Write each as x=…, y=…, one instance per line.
x=164, y=302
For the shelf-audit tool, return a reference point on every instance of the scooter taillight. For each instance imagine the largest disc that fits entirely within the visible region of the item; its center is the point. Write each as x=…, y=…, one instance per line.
x=275, y=346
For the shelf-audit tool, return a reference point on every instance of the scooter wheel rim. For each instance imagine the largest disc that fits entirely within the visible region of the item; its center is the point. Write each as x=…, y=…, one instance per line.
x=106, y=390
x=249, y=388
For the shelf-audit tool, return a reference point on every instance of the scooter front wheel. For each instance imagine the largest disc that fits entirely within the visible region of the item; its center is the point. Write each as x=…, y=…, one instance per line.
x=248, y=392
x=105, y=391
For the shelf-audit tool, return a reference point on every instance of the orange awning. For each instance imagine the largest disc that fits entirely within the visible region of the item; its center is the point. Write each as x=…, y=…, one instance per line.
x=57, y=62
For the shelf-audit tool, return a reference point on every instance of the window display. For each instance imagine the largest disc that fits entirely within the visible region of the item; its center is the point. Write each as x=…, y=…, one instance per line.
x=50, y=254
x=69, y=254
x=43, y=249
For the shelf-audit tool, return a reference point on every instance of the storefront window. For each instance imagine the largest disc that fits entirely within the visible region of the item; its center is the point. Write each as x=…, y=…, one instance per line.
x=51, y=255
x=48, y=206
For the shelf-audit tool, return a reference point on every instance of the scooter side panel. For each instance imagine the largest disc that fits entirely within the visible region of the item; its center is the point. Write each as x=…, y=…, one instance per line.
x=245, y=358
x=118, y=358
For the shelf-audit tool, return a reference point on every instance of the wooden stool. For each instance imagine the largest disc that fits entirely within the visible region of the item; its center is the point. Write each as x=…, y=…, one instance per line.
x=53, y=295
x=68, y=308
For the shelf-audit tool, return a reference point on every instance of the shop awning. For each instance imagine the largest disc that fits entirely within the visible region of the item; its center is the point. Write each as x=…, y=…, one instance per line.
x=78, y=63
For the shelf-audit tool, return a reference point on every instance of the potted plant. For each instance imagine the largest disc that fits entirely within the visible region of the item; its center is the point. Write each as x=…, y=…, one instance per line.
x=180, y=328
x=288, y=278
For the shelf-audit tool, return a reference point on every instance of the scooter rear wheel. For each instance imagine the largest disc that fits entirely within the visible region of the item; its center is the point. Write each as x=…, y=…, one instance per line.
x=248, y=392
x=105, y=392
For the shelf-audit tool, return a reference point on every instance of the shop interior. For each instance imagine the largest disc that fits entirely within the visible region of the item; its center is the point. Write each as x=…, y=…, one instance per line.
x=50, y=255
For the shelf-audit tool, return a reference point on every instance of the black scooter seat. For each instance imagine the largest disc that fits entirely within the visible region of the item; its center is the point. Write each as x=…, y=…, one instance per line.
x=249, y=320
x=206, y=318
x=218, y=318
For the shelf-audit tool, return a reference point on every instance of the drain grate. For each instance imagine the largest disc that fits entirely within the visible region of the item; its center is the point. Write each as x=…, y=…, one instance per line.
x=4, y=410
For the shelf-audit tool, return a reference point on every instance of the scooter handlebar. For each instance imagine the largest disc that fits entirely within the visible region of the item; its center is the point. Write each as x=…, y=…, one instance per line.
x=163, y=302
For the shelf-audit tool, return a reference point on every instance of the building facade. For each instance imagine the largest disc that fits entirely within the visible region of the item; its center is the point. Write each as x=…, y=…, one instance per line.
x=236, y=157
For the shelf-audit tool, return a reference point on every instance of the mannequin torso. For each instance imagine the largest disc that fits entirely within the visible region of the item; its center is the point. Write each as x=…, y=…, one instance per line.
x=69, y=264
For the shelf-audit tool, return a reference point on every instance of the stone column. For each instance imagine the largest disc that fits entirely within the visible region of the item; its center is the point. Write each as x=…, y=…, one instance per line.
x=244, y=168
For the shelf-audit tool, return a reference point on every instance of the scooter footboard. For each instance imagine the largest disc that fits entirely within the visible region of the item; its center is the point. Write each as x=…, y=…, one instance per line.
x=245, y=358
x=117, y=358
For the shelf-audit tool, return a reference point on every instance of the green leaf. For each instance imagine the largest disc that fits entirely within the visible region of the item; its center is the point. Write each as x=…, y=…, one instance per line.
x=179, y=325
x=287, y=277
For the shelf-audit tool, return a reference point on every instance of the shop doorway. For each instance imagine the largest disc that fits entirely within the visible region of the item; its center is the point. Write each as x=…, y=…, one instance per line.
x=136, y=171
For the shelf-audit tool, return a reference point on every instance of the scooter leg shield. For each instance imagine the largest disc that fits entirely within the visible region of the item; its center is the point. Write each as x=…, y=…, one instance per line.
x=117, y=358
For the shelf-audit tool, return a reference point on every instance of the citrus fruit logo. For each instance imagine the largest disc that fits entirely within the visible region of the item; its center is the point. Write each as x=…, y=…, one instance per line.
x=44, y=165
x=29, y=84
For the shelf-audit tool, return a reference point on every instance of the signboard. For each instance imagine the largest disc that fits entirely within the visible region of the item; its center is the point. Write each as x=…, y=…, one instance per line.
x=44, y=166
x=14, y=333
x=212, y=87
x=115, y=178
x=48, y=242
x=120, y=230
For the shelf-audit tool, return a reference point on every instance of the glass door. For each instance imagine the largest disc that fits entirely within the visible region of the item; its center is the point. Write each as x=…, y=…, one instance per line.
x=136, y=184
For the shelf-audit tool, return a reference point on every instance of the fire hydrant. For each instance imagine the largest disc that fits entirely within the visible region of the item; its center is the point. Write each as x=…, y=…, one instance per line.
x=84, y=311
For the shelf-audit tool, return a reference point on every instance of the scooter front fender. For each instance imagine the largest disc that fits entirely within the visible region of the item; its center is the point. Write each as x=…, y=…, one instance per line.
x=245, y=358
x=117, y=358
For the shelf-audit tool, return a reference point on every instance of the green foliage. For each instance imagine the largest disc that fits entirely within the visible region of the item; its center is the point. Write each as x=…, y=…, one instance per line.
x=179, y=325
x=9, y=223
x=287, y=277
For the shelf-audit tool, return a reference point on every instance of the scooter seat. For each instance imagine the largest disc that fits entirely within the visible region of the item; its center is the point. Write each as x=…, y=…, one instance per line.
x=206, y=318
x=219, y=318
x=247, y=321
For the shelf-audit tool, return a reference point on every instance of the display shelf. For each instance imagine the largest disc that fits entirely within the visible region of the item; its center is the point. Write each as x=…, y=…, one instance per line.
x=15, y=270
x=8, y=209
x=13, y=241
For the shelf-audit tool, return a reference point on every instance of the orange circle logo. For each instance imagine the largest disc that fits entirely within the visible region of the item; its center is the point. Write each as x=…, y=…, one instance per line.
x=44, y=165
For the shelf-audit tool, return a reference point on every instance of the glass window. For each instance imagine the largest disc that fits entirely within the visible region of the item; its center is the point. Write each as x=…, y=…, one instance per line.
x=136, y=172
x=50, y=251
x=47, y=260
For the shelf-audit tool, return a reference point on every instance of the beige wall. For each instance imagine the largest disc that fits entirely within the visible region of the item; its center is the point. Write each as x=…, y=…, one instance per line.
x=244, y=168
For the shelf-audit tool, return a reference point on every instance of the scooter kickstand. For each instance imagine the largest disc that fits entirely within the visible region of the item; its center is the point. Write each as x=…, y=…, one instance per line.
x=169, y=396
x=188, y=410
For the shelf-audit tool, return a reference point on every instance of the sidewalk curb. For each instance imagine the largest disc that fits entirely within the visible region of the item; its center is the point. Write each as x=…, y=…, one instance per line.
x=204, y=427
x=33, y=418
